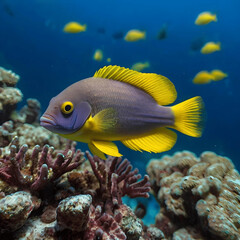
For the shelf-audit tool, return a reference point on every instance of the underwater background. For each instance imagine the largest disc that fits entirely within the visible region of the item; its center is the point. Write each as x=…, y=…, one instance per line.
x=33, y=44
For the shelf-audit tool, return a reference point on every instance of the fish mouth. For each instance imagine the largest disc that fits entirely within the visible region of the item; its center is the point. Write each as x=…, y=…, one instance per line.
x=47, y=121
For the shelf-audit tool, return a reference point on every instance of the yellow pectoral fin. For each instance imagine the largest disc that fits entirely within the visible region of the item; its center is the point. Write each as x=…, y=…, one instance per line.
x=103, y=121
x=106, y=147
x=96, y=151
x=162, y=139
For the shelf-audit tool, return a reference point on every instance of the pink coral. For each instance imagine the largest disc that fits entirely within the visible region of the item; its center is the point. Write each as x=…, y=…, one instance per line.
x=15, y=171
x=107, y=217
x=117, y=179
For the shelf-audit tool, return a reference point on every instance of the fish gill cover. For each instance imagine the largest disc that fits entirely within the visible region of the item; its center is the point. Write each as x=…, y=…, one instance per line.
x=51, y=189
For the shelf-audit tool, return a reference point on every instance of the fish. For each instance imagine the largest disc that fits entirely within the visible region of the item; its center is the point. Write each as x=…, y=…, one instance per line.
x=139, y=66
x=101, y=30
x=205, y=18
x=218, y=75
x=119, y=104
x=109, y=59
x=203, y=77
x=98, y=55
x=74, y=27
x=211, y=47
x=197, y=43
x=134, y=35
x=162, y=33
x=7, y=8
x=118, y=35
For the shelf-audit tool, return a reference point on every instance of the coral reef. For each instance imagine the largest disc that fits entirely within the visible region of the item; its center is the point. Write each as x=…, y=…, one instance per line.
x=23, y=123
x=14, y=210
x=9, y=95
x=35, y=229
x=199, y=197
x=33, y=171
x=73, y=212
x=101, y=214
x=29, y=134
x=29, y=113
x=48, y=190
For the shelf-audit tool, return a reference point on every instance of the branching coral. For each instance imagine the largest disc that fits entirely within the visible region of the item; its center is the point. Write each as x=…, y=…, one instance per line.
x=35, y=171
x=201, y=194
x=108, y=217
x=117, y=179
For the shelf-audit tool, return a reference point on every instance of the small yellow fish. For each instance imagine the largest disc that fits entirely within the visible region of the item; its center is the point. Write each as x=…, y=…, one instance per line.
x=98, y=55
x=134, y=35
x=139, y=66
x=109, y=60
x=205, y=18
x=74, y=27
x=203, y=77
x=218, y=75
x=211, y=47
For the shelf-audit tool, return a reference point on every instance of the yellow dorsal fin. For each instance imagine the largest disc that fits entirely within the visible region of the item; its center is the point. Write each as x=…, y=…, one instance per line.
x=157, y=86
x=107, y=147
x=162, y=139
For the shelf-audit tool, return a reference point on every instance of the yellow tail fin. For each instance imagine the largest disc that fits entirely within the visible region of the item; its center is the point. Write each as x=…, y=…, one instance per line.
x=188, y=116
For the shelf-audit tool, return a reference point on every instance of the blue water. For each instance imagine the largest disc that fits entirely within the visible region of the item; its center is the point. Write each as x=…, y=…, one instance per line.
x=34, y=46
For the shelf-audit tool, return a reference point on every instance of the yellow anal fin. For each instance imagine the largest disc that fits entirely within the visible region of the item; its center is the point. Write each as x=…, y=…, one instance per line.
x=96, y=151
x=188, y=116
x=162, y=139
x=157, y=86
x=107, y=147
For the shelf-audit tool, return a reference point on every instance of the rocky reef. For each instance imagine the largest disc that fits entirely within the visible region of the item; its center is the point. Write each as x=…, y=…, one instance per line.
x=9, y=94
x=51, y=190
x=199, y=197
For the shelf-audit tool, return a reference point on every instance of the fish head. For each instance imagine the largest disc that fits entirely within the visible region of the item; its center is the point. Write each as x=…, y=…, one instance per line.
x=65, y=116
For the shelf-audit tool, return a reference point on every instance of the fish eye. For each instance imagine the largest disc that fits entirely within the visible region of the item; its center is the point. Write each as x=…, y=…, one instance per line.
x=67, y=107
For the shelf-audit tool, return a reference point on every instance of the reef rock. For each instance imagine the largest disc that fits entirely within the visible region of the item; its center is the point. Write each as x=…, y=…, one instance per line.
x=9, y=95
x=14, y=210
x=73, y=212
x=199, y=197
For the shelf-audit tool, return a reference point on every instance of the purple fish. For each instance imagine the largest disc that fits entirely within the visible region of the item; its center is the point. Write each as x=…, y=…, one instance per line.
x=118, y=104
